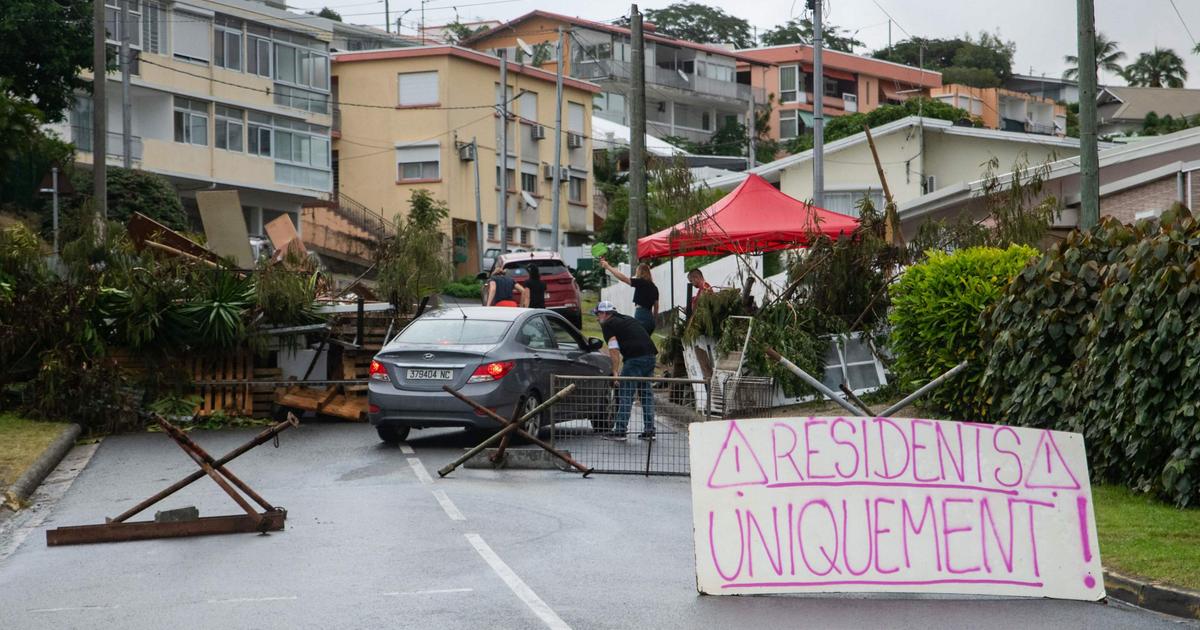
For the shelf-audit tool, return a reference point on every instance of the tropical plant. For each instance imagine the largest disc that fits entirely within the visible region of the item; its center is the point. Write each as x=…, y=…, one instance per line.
x=800, y=31
x=699, y=23
x=285, y=293
x=935, y=319
x=134, y=190
x=417, y=261
x=1108, y=57
x=982, y=61
x=1159, y=68
x=43, y=47
x=1155, y=125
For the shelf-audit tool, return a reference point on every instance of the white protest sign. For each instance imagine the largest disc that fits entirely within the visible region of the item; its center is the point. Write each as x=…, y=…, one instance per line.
x=804, y=505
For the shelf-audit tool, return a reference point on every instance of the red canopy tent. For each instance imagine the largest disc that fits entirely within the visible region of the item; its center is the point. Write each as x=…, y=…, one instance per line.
x=753, y=218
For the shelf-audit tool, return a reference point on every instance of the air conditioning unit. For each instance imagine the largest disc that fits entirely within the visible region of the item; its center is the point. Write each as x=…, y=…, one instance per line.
x=930, y=183
x=548, y=173
x=574, y=141
x=537, y=132
x=466, y=152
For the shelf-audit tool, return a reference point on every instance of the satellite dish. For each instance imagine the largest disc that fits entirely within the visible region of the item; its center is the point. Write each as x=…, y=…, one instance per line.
x=682, y=74
x=525, y=48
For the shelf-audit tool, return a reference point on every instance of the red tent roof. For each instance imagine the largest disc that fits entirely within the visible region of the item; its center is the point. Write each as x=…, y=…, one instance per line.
x=753, y=218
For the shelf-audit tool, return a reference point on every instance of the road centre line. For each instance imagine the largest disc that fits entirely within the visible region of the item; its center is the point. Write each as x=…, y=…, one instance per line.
x=407, y=450
x=517, y=585
x=448, y=506
x=435, y=591
x=240, y=600
x=419, y=469
x=73, y=608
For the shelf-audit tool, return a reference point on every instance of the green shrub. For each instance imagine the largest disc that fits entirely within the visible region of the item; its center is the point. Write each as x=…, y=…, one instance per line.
x=935, y=318
x=1103, y=338
x=464, y=288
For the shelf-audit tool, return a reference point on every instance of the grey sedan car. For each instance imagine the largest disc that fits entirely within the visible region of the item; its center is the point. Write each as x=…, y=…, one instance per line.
x=503, y=358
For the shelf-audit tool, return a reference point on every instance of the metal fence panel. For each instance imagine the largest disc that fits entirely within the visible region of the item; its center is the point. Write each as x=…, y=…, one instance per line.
x=579, y=423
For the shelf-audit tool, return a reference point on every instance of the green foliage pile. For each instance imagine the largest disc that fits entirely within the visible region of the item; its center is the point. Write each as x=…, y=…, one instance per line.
x=935, y=319
x=1102, y=337
x=417, y=261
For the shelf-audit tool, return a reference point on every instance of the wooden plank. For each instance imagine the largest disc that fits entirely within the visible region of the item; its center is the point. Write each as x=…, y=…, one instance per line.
x=145, y=530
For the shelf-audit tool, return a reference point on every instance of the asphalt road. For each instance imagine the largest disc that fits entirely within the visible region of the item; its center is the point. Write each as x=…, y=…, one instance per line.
x=373, y=541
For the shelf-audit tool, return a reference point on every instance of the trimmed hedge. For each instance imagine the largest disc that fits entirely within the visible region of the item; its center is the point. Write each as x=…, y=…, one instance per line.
x=1102, y=337
x=935, y=319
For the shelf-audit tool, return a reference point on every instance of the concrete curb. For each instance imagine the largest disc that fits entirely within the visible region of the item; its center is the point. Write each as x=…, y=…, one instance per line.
x=1154, y=596
x=23, y=487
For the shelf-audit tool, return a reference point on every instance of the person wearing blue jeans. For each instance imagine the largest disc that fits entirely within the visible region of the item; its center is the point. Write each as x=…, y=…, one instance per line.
x=634, y=354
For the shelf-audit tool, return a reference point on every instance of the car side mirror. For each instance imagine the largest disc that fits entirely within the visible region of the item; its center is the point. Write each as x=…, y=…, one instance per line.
x=594, y=344
x=481, y=276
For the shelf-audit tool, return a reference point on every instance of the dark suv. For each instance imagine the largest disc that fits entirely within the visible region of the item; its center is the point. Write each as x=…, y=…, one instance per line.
x=562, y=293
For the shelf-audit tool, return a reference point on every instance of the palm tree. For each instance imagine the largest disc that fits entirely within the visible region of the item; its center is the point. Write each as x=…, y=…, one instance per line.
x=1159, y=68
x=1107, y=56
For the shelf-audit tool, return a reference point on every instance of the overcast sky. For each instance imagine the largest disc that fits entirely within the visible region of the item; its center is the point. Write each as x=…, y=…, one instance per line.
x=1044, y=30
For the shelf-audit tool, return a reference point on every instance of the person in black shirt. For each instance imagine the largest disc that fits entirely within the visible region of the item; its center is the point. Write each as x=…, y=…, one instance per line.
x=535, y=289
x=645, y=293
x=637, y=356
x=500, y=290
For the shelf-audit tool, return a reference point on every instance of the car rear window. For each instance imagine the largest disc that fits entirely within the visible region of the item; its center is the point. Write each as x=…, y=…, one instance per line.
x=453, y=331
x=520, y=269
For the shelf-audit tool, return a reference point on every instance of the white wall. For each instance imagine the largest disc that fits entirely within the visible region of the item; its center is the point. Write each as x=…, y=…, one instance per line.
x=854, y=169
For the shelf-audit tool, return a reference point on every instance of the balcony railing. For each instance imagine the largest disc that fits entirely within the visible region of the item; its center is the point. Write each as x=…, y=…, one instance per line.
x=337, y=119
x=81, y=137
x=623, y=71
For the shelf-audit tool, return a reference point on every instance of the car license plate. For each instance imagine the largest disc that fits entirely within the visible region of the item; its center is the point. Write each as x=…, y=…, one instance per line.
x=430, y=375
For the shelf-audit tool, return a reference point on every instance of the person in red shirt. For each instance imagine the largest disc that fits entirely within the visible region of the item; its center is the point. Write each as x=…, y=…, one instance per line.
x=696, y=279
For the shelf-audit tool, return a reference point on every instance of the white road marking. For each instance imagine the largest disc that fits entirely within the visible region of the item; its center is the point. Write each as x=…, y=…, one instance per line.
x=516, y=585
x=72, y=608
x=57, y=483
x=406, y=449
x=436, y=591
x=419, y=469
x=448, y=506
x=240, y=600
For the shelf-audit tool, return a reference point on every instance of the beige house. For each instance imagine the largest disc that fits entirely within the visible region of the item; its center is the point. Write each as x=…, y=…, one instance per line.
x=919, y=157
x=225, y=94
x=409, y=116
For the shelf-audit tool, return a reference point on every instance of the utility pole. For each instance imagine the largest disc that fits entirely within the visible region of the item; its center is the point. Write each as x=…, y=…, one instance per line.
x=750, y=126
x=387, y=17
x=556, y=182
x=1089, y=159
x=99, y=118
x=126, y=106
x=889, y=33
x=479, y=229
x=818, y=103
x=637, y=140
x=502, y=152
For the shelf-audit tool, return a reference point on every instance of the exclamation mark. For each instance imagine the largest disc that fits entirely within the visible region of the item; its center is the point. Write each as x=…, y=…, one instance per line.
x=1081, y=507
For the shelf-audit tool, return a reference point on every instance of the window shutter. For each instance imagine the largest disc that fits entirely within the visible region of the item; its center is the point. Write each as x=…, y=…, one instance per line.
x=422, y=153
x=575, y=113
x=192, y=35
x=418, y=88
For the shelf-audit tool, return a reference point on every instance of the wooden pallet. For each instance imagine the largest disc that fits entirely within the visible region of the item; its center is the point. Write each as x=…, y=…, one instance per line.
x=231, y=399
x=330, y=401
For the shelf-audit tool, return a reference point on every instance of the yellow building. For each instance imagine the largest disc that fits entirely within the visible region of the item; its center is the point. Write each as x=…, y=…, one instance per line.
x=407, y=118
x=226, y=95
x=1007, y=110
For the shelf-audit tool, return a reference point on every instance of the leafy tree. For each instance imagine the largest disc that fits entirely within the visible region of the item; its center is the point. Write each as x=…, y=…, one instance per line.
x=985, y=61
x=850, y=124
x=417, y=261
x=800, y=31
x=1107, y=57
x=699, y=23
x=328, y=14
x=43, y=46
x=1158, y=68
x=1073, y=120
x=26, y=153
x=132, y=191
x=455, y=32
x=1154, y=125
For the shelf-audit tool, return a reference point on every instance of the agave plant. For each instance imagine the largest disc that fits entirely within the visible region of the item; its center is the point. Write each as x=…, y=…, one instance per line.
x=216, y=315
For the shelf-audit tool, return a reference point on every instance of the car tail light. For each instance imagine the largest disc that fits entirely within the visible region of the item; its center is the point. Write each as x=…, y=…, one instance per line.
x=378, y=373
x=373, y=409
x=491, y=371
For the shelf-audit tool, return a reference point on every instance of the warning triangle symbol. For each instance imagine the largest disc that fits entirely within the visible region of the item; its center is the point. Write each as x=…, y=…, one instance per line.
x=736, y=464
x=1049, y=468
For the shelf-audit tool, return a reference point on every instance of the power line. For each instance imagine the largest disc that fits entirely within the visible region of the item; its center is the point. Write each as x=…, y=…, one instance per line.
x=1183, y=22
x=898, y=25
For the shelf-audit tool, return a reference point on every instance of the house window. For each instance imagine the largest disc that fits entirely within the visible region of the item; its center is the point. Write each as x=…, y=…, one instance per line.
x=81, y=123
x=847, y=201
x=258, y=56
x=114, y=26
x=300, y=143
x=831, y=88
x=227, y=43
x=421, y=162
x=789, y=126
x=418, y=88
x=788, y=83
x=510, y=182
x=154, y=28
x=491, y=231
x=575, y=115
x=575, y=188
x=259, y=134
x=529, y=183
x=301, y=66
x=509, y=236
x=191, y=34
x=527, y=104
x=229, y=128
x=525, y=237
x=191, y=121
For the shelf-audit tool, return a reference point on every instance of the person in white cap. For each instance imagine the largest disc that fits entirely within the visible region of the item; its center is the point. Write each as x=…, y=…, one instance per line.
x=635, y=356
